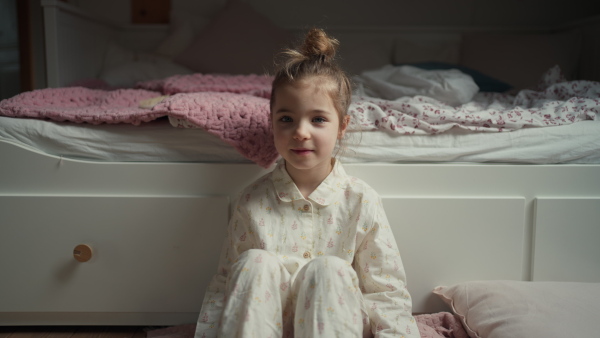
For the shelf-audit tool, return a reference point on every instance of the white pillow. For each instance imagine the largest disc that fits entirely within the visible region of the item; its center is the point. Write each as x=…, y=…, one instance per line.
x=498, y=309
x=450, y=86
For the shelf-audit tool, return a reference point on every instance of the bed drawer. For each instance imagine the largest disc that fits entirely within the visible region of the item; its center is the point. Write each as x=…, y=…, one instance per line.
x=147, y=254
x=566, y=239
x=446, y=240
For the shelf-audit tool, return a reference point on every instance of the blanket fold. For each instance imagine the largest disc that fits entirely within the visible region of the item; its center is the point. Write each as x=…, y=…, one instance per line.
x=240, y=120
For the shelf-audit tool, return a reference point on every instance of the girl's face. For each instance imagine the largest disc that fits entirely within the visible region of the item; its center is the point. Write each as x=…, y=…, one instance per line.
x=306, y=127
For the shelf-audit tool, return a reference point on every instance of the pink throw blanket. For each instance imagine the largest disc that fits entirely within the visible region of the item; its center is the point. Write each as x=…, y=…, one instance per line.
x=77, y=104
x=240, y=120
x=437, y=325
x=234, y=108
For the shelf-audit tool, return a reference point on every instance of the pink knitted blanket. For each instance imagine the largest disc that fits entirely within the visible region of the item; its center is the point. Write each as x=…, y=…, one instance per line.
x=77, y=104
x=234, y=108
x=238, y=119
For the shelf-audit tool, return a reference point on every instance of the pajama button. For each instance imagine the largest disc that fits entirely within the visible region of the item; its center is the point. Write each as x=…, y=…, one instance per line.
x=307, y=255
x=306, y=207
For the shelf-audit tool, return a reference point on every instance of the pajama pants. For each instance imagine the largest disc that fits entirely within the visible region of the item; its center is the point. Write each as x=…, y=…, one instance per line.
x=322, y=299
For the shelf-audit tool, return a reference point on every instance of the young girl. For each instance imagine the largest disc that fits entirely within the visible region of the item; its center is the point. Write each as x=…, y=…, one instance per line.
x=309, y=251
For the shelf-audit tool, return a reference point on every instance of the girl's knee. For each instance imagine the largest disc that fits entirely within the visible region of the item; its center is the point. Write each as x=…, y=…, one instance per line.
x=256, y=259
x=329, y=265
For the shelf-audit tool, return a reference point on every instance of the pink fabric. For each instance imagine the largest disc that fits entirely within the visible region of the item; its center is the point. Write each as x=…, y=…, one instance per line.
x=240, y=120
x=77, y=104
x=257, y=85
x=437, y=325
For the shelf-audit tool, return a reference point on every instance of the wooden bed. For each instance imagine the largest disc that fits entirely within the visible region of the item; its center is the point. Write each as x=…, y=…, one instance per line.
x=155, y=228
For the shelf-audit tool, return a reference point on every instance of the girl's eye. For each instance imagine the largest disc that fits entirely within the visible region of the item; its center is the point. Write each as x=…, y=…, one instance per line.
x=285, y=119
x=319, y=120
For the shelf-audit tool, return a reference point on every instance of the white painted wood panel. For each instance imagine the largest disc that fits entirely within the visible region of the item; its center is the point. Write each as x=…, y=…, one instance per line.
x=466, y=240
x=567, y=239
x=75, y=44
x=151, y=254
x=449, y=240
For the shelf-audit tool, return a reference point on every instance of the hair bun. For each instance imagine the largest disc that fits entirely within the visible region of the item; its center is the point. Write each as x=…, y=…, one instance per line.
x=317, y=44
x=315, y=58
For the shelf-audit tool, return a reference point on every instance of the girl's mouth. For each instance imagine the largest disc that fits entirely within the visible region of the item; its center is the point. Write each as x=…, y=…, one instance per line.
x=301, y=151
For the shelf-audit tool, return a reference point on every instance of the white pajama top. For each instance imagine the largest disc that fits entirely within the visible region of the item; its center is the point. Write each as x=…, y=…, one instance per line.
x=343, y=217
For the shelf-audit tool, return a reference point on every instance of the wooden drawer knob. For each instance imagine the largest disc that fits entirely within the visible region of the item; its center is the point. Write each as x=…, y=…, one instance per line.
x=82, y=253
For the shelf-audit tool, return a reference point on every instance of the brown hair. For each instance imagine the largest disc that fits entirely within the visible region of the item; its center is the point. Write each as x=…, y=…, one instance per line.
x=315, y=57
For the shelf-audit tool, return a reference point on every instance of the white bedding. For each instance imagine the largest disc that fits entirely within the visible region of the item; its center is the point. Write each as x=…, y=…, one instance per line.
x=575, y=143
x=158, y=141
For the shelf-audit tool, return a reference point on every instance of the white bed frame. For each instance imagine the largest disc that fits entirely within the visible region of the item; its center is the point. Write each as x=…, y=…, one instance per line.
x=76, y=41
x=156, y=228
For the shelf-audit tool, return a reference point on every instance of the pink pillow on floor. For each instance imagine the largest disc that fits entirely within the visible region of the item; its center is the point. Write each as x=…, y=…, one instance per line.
x=498, y=309
x=238, y=41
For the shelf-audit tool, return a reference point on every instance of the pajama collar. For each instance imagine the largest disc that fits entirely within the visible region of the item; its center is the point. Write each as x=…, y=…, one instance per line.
x=325, y=194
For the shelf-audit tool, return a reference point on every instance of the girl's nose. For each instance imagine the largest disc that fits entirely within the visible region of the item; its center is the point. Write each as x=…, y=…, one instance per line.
x=302, y=131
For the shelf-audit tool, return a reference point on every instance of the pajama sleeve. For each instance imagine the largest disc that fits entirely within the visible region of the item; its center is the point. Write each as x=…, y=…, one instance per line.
x=236, y=242
x=382, y=279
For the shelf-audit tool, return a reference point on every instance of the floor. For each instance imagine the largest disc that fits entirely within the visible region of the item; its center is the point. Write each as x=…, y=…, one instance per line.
x=72, y=332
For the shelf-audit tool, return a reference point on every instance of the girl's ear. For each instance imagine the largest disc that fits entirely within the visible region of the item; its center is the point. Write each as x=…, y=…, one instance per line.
x=343, y=126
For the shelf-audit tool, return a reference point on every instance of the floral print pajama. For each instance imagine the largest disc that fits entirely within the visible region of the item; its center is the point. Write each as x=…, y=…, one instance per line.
x=322, y=266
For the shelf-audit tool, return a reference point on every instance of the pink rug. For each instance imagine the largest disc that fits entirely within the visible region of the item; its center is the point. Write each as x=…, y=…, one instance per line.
x=437, y=325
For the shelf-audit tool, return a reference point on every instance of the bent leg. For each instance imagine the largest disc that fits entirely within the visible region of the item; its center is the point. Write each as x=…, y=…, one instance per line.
x=257, y=293
x=328, y=300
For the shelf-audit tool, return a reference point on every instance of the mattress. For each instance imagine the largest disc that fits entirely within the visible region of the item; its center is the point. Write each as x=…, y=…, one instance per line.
x=159, y=141
x=155, y=141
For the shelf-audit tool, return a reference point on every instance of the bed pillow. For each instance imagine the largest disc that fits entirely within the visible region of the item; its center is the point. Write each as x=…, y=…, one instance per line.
x=391, y=83
x=238, y=41
x=495, y=309
x=484, y=82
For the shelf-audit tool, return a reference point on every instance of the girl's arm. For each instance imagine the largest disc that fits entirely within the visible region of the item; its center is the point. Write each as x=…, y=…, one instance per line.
x=383, y=281
x=236, y=242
